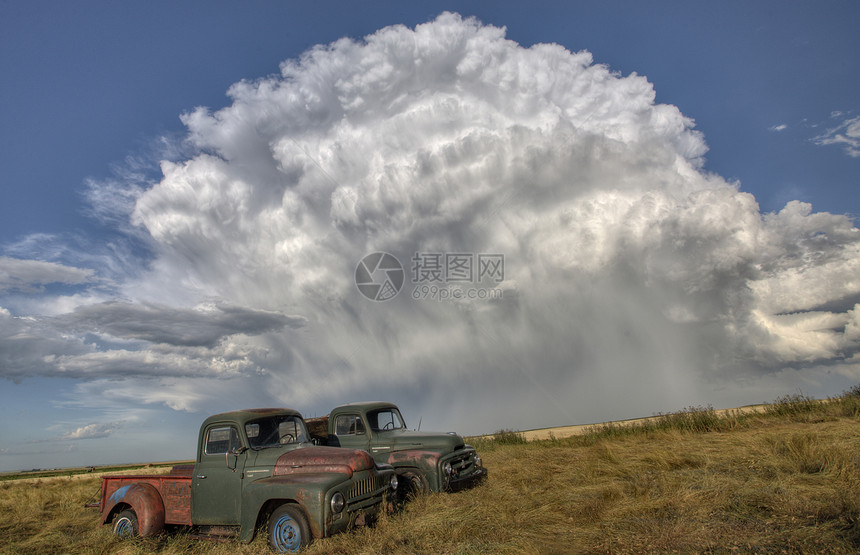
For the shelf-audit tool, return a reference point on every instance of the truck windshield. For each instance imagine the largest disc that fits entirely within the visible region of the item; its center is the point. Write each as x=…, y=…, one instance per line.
x=274, y=431
x=385, y=420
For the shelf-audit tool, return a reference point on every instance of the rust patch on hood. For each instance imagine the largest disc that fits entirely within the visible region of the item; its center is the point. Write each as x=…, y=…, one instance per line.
x=426, y=459
x=322, y=460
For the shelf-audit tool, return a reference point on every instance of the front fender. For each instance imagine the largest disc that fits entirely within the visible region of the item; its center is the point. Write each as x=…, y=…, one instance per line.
x=307, y=490
x=146, y=502
x=427, y=462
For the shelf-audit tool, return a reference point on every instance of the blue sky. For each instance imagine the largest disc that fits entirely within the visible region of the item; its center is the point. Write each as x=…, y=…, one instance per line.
x=95, y=267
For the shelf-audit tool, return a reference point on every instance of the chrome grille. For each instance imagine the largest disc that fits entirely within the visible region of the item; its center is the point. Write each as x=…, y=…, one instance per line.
x=365, y=487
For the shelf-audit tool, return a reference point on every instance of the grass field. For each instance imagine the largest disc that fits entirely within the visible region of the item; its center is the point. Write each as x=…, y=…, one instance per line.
x=786, y=480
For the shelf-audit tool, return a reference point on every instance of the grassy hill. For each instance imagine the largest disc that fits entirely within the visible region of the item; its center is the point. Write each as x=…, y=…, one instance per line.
x=783, y=480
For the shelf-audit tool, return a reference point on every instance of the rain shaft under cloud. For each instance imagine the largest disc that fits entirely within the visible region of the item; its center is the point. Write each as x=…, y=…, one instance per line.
x=634, y=281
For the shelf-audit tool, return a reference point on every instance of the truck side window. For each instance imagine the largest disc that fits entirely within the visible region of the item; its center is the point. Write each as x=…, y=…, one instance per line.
x=385, y=419
x=221, y=440
x=349, y=425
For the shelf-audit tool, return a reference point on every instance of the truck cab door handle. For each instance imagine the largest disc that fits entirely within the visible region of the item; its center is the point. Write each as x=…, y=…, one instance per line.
x=201, y=476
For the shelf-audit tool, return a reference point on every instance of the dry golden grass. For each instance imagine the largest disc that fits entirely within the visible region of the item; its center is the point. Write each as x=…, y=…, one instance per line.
x=787, y=480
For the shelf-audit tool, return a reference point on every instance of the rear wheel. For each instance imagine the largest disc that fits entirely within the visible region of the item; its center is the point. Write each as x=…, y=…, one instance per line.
x=288, y=529
x=125, y=524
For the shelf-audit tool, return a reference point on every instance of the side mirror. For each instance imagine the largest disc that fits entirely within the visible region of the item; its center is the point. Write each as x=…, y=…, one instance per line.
x=235, y=452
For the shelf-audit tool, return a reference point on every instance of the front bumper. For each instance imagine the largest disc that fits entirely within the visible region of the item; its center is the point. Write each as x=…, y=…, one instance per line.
x=465, y=482
x=464, y=469
x=354, y=516
x=364, y=501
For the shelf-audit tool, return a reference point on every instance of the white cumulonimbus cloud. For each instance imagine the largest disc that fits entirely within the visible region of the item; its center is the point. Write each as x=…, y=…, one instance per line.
x=633, y=279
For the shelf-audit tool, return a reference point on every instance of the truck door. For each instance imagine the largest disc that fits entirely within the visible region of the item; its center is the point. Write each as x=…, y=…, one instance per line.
x=351, y=432
x=216, y=488
x=381, y=422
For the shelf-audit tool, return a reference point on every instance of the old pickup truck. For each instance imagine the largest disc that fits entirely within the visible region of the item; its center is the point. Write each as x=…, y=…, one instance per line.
x=424, y=461
x=253, y=467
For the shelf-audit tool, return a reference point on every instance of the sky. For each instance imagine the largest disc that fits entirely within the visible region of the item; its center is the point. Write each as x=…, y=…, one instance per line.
x=497, y=215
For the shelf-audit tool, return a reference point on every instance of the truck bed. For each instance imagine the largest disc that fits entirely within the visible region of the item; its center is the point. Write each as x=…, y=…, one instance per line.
x=175, y=490
x=317, y=427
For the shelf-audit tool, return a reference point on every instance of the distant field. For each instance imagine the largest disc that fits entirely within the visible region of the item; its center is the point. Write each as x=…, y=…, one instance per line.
x=89, y=471
x=582, y=429
x=785, y=479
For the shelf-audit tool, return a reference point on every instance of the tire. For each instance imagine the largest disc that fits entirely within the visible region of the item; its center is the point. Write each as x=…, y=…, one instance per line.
x=412, y=485
x=125, y=524
x=289, y=531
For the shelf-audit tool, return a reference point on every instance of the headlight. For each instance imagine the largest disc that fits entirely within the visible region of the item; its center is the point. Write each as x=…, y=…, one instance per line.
x=393, y=483
x=337, y=502
x=446, y=468
x=478, y=461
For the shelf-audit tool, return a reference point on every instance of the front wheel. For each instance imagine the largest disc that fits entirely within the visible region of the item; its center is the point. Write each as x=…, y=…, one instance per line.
x=288, y=529
x=125, y=524
x=412, y=484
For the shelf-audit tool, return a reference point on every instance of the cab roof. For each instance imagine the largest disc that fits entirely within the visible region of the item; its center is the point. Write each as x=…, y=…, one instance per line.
x=370, y=405
x=246, y=415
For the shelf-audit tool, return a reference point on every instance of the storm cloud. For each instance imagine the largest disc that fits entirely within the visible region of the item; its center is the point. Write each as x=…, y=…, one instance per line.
x=634, y=280
x=201, y=326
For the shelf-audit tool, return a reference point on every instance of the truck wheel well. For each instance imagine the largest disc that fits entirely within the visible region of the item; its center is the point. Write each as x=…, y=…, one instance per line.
x=413, y=483
x=118, y=508
x=269, y=507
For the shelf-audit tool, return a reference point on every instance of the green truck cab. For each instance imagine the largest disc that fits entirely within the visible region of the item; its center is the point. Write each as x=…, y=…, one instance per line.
x=424, y=461
x=254, y=467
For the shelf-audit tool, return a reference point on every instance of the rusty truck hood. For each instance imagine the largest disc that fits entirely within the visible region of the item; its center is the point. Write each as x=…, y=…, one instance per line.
x=440, y=442
x=323, y=460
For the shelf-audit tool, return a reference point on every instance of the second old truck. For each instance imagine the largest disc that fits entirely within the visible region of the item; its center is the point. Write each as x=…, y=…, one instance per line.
x=255, y=469
x=424, y=461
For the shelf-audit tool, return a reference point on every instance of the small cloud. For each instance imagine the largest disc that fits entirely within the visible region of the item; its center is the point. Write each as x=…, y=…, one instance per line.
x=780, y=127
x=92, y=431
x=31, y=275
x=846, y=134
